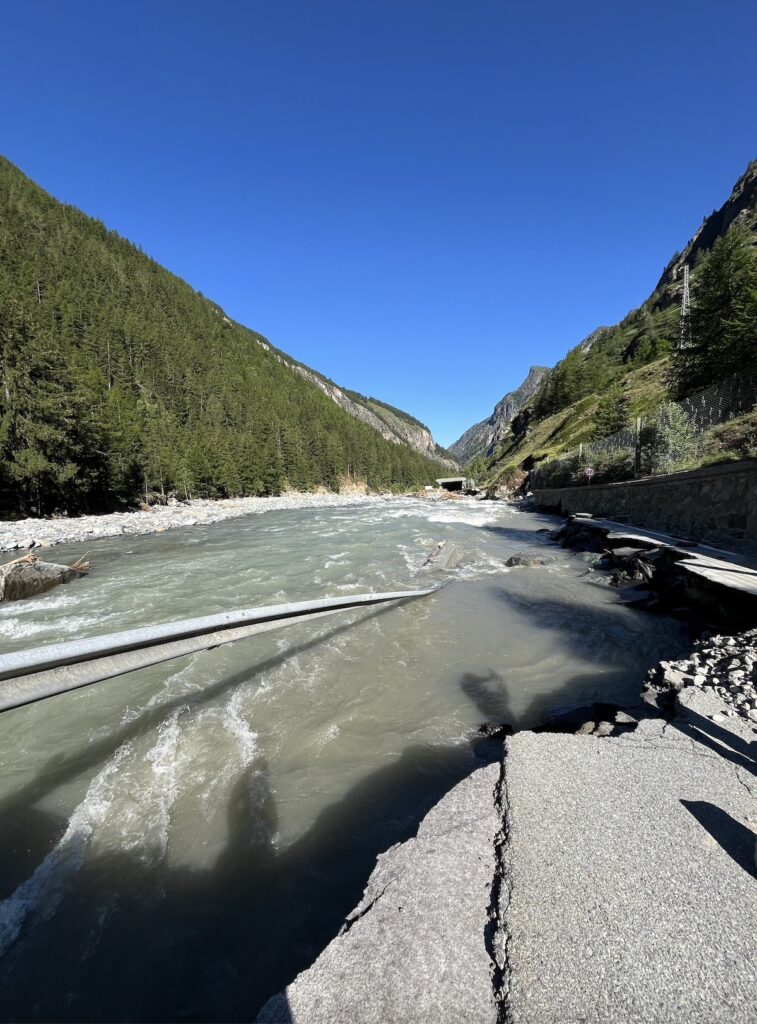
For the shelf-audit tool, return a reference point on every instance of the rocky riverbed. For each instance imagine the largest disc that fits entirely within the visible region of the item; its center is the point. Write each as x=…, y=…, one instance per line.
x=23, y=534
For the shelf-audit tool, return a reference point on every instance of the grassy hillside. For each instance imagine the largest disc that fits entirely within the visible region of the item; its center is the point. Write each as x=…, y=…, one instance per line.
x=117, y=378
x=633, y=367
x=548, y=437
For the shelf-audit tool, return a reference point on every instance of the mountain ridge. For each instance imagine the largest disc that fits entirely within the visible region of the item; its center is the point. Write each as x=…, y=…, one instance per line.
x=482, y=438
x=118, y=379
x=393, y=424
x=641, y=355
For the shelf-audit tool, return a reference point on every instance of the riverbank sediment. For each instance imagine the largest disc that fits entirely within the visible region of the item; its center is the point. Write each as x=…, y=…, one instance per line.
x=22, y=534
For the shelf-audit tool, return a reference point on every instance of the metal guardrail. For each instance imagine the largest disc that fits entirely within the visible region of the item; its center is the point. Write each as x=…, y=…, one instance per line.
x=32, y=675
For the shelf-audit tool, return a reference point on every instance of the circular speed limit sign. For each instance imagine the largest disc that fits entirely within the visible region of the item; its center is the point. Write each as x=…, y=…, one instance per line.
x=589, y=472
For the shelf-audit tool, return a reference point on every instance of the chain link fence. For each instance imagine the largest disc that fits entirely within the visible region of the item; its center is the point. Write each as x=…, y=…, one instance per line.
x=676, y=436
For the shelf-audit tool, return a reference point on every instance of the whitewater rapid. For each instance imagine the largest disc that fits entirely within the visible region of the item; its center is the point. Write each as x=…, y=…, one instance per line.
x=207, y=822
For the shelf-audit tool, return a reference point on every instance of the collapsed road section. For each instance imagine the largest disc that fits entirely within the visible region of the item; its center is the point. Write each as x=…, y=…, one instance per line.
x=587, y=878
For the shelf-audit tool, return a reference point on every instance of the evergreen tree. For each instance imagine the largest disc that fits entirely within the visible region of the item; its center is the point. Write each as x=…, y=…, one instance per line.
x=612, y=412
x=46, y=459
x=723, y=315
x=116, y=379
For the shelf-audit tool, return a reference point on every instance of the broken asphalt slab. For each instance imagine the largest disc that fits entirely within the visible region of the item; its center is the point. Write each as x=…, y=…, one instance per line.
x=594, y=880
x=414, y=949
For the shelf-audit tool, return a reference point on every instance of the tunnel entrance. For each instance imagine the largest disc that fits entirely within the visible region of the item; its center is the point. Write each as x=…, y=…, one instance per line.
x=454, y=483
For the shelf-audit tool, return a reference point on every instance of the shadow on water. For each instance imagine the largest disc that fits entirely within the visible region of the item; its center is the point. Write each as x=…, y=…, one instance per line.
x=28, y=835
x=490, y=695
x=610, y=639
x=133, y=941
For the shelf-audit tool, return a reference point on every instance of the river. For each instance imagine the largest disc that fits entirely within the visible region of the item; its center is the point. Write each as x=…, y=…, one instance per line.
x=178, y=843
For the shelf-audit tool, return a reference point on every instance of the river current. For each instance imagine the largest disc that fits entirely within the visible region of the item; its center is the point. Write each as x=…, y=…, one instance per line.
x=178, y=843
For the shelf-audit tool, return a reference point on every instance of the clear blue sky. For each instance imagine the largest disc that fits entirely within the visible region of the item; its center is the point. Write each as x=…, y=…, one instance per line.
x=420, y=198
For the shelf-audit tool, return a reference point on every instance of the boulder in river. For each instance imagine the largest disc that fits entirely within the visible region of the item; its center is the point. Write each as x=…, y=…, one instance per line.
x=28, y=576
x=529, y=559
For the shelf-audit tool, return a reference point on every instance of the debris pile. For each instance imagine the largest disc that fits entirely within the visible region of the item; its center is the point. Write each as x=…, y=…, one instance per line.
x=724, y=666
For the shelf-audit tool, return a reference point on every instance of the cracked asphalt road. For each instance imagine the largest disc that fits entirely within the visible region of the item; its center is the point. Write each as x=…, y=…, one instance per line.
x=414, y=949
x=584, y=880
x=633, y=891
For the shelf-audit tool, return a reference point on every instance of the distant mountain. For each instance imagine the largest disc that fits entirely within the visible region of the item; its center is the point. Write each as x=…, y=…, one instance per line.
x=393, y=424
x=482, y=438
x=117, y=378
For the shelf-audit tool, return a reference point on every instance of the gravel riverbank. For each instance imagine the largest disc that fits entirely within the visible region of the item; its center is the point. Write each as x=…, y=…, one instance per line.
x=22, y=534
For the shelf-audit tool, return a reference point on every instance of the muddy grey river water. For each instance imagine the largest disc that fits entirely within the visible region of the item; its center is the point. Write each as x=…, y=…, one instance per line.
x=178, y=843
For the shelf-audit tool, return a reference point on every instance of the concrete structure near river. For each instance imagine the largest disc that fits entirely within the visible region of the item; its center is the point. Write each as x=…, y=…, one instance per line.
x=716, y=504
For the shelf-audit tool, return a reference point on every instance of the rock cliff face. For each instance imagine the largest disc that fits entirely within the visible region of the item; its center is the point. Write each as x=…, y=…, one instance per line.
x=482, y=438
x=739, y=208
x=392, y=424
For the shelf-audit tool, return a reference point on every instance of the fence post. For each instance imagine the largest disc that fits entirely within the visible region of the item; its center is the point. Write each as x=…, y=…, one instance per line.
x=637, y=448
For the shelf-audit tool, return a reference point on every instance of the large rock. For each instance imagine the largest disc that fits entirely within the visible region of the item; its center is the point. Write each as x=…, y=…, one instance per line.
x=530, y=559
x=414, y=950
x=27, y=577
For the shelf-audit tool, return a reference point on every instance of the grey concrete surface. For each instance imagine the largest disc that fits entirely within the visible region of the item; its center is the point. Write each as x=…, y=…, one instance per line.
x=629, y=887
x=414, y=950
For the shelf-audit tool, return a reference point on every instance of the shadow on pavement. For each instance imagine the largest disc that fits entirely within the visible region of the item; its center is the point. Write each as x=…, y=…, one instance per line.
x=736, y=839
x=721, y=741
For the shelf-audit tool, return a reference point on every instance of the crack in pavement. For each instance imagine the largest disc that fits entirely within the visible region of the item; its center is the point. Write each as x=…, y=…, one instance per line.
x=496, y=938
x=355, y=917
x=745, y=784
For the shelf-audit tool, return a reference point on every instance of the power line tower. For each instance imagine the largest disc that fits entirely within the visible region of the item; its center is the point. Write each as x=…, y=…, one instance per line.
x=684, y=336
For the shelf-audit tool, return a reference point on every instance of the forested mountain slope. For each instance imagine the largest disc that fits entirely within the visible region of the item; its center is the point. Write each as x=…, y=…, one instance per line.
x=630, y=368
x=117, y=378
x=393, y=424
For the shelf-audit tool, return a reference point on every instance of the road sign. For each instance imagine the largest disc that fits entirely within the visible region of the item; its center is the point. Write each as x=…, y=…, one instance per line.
x=589, y=473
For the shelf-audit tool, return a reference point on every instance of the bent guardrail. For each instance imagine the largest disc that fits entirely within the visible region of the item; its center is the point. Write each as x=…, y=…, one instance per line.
x=32, y=675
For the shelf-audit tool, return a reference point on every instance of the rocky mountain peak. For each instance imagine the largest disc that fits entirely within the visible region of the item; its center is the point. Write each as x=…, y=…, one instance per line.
x=482, y=438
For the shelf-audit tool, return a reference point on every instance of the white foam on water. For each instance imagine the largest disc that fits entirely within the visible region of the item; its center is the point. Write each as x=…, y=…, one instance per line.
x=17, y=627
x=240, y=729
x=463, y=519
x=481, y=567
x=127, y=807
x=144, y=816
x=42, y=891
x=214, y=762
x=178, y=684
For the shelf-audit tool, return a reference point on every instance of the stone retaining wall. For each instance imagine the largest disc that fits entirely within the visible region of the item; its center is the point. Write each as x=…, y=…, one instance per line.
x=717, y=505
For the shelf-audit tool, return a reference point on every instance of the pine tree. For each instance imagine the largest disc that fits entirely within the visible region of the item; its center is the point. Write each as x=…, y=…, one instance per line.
x=723, y=315
x=612, y=412
x=45, y=455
